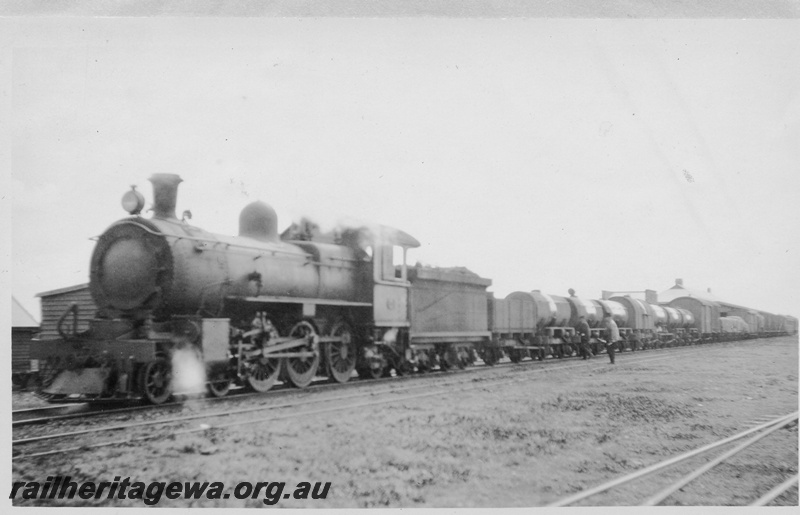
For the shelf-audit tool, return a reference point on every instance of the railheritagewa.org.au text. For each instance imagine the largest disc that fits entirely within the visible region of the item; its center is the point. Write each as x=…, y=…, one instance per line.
x=151, y=493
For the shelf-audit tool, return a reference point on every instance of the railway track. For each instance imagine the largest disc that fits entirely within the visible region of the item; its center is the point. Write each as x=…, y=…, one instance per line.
x=45, y=414
x=434, y=385
x=61, y=412
x=48, y=414
x=755, y=435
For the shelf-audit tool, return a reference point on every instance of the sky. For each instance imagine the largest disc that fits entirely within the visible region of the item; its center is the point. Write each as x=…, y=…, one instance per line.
x=540, y=153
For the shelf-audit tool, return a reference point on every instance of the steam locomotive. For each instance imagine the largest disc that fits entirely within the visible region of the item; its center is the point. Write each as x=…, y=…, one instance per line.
x=262, y=307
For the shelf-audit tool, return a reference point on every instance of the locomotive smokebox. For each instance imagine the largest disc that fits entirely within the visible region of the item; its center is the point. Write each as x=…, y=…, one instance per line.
x=165, y=194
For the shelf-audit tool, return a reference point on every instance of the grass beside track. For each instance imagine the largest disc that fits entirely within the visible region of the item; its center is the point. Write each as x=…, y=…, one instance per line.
x=526, y=444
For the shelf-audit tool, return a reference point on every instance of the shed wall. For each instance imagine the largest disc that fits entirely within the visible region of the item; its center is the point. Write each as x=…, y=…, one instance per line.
x=53, y=306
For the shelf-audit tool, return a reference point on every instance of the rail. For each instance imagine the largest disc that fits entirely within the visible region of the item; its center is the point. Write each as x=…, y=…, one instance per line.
x=767, y=428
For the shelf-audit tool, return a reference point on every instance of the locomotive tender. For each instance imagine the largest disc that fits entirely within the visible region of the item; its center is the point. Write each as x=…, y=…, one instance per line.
x=253, y=309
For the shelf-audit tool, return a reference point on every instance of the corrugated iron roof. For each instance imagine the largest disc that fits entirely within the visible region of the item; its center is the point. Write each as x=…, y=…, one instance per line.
x=20, y=316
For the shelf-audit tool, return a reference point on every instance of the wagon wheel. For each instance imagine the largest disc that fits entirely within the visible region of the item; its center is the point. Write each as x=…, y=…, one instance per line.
x=219, y=384
x=449, y=359
x=262, y=373
x=155, y=380
x=300, y=371
x=490, y=356
x=464, y=359
x=341, y=355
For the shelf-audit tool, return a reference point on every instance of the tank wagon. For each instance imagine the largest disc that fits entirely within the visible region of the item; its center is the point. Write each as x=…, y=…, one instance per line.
x=176, y=303
x=532, y=324
x=537, y=325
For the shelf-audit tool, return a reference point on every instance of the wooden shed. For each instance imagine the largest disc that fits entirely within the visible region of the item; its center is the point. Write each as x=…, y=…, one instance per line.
x=23, y=329
x=56, y=302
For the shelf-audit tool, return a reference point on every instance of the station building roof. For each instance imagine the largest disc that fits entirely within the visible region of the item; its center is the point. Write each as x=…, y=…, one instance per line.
x=680, y=291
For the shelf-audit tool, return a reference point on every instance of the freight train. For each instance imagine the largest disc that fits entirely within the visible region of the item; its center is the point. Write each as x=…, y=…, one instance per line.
x=175, y=301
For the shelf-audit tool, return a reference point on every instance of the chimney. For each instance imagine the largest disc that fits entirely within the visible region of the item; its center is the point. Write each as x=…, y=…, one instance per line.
x=709, y=290
x=651, y=296
x=679, y=283
x=605, y=294
x=165, y=194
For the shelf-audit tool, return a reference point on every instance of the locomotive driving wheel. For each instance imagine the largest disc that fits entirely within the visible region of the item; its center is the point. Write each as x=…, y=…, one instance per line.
x=301, y=371
x=262, y=373
x=155, y=380
x=341, y=355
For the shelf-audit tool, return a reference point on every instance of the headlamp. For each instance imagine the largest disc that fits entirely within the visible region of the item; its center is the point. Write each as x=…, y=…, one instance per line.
x=133, y=201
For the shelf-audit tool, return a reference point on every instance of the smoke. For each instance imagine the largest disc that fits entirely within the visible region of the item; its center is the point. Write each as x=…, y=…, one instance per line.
x=188, y=371
x=346, y=230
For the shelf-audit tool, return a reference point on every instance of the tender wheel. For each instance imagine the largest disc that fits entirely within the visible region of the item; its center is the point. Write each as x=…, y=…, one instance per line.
x=155, y=381
x=448, y=359
x=514, y=356
x=403, y=368
x=489, y=356
x=219, y=384
x=301, y=371
x=370, y=373
x=263, y=373
x=341, y=355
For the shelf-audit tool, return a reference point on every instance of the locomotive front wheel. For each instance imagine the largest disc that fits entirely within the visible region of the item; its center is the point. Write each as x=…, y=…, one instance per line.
x=218, y=384
x=263, y=372
x=341, y=355
x=155, y=381
x=301, y=371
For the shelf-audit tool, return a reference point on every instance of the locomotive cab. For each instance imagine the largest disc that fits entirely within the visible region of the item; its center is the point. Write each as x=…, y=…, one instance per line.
x=390, y=289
